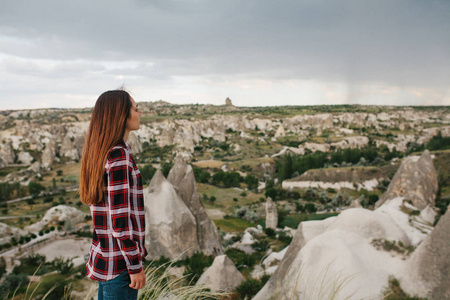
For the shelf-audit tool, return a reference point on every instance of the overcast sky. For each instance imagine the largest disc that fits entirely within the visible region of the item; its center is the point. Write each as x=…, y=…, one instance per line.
x=65, y=53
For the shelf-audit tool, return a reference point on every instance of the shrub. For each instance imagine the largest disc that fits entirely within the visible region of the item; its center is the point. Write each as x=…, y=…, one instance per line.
x=310, y=207
x=373, y=199
x=240, y=258
x=11, y=283
x=63, y=266
x=48, y=199
x=284, y=238
x=270, y=232
x=261, y=246
x=249, y=288
x=195, y=266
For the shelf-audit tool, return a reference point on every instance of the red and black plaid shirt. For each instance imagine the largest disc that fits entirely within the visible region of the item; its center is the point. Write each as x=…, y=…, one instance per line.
x=119, y=220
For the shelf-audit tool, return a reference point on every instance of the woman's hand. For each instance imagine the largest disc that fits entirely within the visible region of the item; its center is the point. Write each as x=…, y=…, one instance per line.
x=137, y=280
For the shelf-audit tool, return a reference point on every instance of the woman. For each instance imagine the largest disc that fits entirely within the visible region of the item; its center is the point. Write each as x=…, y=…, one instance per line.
x=111, y=184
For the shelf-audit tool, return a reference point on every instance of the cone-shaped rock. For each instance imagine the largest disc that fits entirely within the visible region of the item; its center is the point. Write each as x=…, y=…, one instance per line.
x=222, y=275
x=7, y=153
x=48, y=156
x=415, y=180
x=271, y=214
x=428, y=269
x=182, y=177
x=170, y=225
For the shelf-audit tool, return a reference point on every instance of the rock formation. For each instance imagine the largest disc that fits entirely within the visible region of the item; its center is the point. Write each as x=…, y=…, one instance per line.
x=68, y=149
x=181, y=176
x=280, y=132
x=415, y=181
x=344, y=249
x=228, y=102
x=7, y=232
x=25, y=158
x=48, y=156
x=60, y=213
x=222, y=275
x=133, y=141
x=171, y=229
x=7, y=153
x=271, y=214
x=428, y=269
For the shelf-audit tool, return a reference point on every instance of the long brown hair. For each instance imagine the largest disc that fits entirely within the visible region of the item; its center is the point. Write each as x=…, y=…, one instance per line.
x=107, y=129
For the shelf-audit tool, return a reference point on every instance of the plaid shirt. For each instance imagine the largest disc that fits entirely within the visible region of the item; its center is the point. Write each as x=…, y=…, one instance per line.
x=119, y=220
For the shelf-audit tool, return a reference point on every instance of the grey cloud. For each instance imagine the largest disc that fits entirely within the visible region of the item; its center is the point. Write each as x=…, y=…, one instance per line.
x=402, y=43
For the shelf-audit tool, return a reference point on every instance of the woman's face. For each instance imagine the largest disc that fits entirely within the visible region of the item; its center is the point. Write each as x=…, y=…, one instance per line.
x=134, y=118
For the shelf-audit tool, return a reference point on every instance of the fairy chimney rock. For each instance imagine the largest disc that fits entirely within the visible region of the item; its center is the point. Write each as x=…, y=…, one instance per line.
x=48, y=156
x=181, y=176
x=428, y=266
x=415, y=181
x=228, y=102
x=171, y=227
x=280, y=132
x=7, y=153
x=221, y=276
x=271, y=214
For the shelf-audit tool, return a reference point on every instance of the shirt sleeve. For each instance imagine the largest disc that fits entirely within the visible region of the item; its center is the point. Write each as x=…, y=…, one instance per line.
x=119, y=206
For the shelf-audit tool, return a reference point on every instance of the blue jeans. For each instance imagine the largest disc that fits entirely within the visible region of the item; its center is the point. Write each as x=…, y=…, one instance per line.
x=117, y=288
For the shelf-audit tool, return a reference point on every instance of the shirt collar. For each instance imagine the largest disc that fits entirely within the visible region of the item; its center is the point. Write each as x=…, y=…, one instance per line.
x=126, y=145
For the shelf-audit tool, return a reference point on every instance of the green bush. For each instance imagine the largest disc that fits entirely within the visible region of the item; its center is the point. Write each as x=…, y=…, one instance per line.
x=261, y=246
x=270, y=232
x=284, y=238
x=249, y=288
x=62, y=265
x=31, y=263
x=11, y=282
x=195, y=265
x=240, y=258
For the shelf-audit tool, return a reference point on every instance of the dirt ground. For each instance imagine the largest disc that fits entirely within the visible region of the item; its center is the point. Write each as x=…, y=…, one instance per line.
x=77, y=248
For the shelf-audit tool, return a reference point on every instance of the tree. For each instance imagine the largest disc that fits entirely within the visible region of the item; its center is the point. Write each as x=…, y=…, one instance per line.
x=310, y=208
x=35, y=188
x=285, y=167
x=251, y=181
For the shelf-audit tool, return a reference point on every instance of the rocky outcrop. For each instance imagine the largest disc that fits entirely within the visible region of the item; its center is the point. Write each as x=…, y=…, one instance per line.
x=60, y=213
x=7, y=153
x=228, y=102
x=332, y=250
x=271, y=214
x=68, y=149
x=280, y=132
x=428, y=269
x=25, y=158
x=171, y=229
x=181, y=176
x=48, y=156
x=415, y=181
x=221, y=276
x=7, y=232
x=133, y=141
x=351, y=178
x=346, y=250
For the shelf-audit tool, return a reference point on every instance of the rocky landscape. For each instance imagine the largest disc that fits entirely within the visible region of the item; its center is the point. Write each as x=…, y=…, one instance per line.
x=296, y=202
